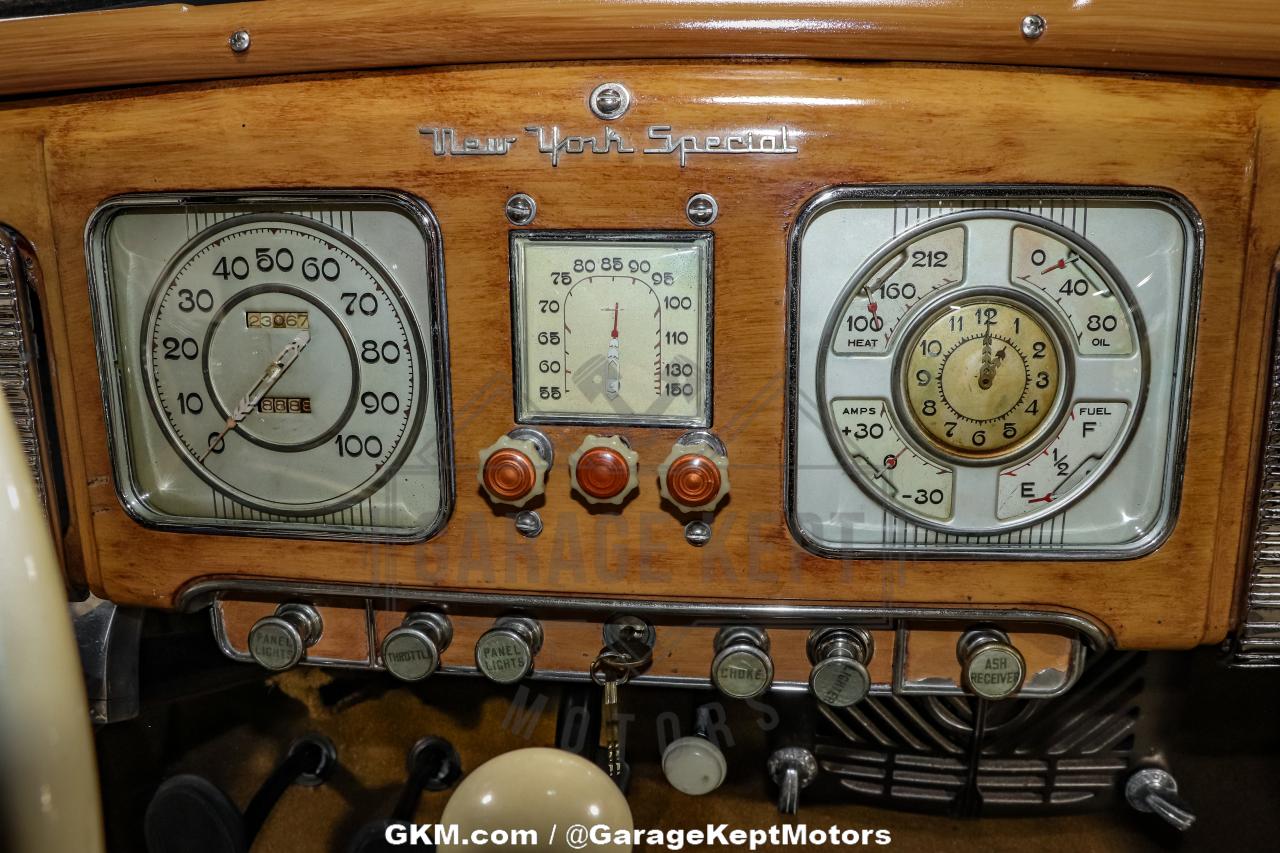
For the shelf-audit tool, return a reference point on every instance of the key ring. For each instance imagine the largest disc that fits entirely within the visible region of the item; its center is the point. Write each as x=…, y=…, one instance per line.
x=619, y=663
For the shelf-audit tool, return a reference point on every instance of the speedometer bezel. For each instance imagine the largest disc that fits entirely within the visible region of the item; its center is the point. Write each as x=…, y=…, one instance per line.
x=427, y=316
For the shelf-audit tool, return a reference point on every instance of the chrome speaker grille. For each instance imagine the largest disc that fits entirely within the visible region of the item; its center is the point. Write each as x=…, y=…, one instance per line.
x=1257, y=642
x=19, y=377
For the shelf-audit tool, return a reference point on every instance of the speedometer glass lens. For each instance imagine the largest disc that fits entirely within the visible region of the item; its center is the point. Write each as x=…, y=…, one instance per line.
x=1002, y=375
x=612, y=328
x=270, y=366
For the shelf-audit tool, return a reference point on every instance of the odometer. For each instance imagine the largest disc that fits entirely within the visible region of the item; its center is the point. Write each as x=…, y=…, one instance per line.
x=612, y=329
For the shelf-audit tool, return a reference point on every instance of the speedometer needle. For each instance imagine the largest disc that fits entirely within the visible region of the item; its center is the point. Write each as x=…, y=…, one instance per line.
x=250, y=401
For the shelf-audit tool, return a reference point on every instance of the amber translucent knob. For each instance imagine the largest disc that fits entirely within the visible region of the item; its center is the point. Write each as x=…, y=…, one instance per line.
x=604, y=469
x=512, y=471
x=694, y=476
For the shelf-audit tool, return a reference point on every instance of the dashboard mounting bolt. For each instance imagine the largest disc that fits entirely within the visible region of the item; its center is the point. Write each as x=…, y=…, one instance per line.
x=609, y=101
x=521, y=209
x=528, y=523
x=702, y=209
x=239, y=41
x=697, y=533
x=1033, y=26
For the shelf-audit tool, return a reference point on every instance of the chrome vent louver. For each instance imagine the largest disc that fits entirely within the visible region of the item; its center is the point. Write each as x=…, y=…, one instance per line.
x=19, y=375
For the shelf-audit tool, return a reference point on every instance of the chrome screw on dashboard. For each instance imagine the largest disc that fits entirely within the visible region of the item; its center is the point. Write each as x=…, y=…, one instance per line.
x=697, y=533
x=990, y=667
x=1033, y=26
x=839, y=677
x=742, y=668
x=609, y=101
x=792, y=768
x=412, y=651
x=1154, y=790
x=529, y=524
x=505, y=653
x=239, y=41
x=521, y=209
x=702, y=209
x=281, y=640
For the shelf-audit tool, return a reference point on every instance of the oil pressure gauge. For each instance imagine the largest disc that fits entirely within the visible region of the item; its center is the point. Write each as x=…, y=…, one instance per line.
x=612, y=328
x=981, y=370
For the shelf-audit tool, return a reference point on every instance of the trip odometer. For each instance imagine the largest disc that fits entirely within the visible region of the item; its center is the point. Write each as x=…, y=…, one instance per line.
x=284, y=365
x=281, y=361
x=612, y=328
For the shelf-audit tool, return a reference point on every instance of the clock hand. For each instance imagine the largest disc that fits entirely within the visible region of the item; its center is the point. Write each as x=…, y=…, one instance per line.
x=986, y=373
x=265, y=383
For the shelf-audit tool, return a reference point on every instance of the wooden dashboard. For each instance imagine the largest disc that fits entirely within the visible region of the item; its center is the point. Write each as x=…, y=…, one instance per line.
x=1209, y=140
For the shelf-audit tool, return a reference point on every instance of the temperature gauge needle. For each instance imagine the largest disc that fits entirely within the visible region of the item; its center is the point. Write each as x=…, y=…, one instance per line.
x=613, y=372
x=250, y=401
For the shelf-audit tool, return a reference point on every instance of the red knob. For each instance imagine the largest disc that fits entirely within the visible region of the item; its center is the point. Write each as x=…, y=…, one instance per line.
x=509, y=474
x=693, y=480
x=602, y=473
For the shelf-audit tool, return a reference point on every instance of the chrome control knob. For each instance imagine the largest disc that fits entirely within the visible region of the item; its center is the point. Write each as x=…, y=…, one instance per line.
x=1154, y=790
x=742, y=668
x=990, y=667
x=792, y=769
x=839, y=677
x=280, y=641
x=412, y=651
x=505, y=653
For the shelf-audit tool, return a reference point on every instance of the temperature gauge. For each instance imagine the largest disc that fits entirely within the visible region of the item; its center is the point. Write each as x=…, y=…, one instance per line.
x=612, y=329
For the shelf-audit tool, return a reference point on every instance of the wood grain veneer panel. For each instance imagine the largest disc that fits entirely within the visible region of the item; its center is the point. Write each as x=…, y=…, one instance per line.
x=853, y=125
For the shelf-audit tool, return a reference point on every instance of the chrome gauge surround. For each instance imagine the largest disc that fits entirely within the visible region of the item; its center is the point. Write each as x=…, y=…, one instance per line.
x=197, y=329
x=1108, y=377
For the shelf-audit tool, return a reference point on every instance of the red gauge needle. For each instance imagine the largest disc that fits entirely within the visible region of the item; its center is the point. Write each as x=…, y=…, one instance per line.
x=615, y=319
x=872, y=307
x=1060, y=265
x=1044, y=500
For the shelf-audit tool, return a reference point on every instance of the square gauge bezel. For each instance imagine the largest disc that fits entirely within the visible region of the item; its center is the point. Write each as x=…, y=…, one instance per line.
x=704, y=240
x=423, y=300
x=910, y=539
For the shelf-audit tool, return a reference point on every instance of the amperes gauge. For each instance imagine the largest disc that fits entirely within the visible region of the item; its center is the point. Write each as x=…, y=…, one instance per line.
x=612, y=328
x=267, y=364
x=969, y=377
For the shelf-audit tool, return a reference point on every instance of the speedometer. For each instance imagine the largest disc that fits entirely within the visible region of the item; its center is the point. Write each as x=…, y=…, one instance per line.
x=281, y=375
x=612, y=329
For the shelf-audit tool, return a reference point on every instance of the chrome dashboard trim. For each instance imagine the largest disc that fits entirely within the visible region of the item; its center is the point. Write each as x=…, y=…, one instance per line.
x=251, y=202
x=1194, y=237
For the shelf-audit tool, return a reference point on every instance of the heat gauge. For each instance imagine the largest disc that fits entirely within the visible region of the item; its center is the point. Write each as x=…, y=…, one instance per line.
x=612, y=328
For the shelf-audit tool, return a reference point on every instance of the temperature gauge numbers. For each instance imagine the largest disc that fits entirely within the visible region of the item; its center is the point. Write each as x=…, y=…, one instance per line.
x=612, y=329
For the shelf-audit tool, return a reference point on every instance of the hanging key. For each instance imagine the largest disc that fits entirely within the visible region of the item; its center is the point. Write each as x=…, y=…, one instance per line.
x=610, y=729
